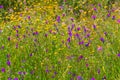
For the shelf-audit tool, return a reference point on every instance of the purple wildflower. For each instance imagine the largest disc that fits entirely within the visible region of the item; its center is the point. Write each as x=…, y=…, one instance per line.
x=113, y=17
x=94, y=26
x=1, y=6
x=82, y=42
x=20, y=73
x=105, y=33
x=31, y=54
x=8, y=63
x=93, y=17
x=32, y=72
x=16, y=31
x=87, y=44
x=68, y=40
x=118, y=21
x=16, y=46
x=24, y=72
x=80, y=57
x=99, y=5
x=9, y=78
x=72, y=19
x=35, y=33
x=8, y=55
x=46, y=35
x=77, y=35
x=2, y=47
x=73, y=25
x=99, y=48
x=87, y=65
x=78, y=28
x=47, y=71
x=108, y=15
x=58, y=19
x=102, y=39
x=3, y=70
x=98, y=71
x=92, y=78
x=70, y=33
x=118, y=54
x=88, y=35
x=15, y=78
x=63, y=14
x=28, y=17
x=95, y=9
x=19, y=26
x=79, y=78
x=17, y=35
x=8, y=38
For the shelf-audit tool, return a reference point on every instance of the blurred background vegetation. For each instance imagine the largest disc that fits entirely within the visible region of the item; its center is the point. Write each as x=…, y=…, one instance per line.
x=9, y=6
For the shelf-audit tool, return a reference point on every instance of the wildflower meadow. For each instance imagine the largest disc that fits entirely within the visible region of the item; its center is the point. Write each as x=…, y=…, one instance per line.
x=59, y=39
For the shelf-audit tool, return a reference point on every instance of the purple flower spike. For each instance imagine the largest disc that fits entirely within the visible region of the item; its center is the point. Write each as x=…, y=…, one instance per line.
x=113, y=17
x=94, y=26
x=79, y=78
x=118, y=21
x=73, y=25
x=19, y=73
x=95, y=9
x=58, y=19
x=8, y=55
x=78, y=28
x=15, y=78
x=82, y=42
x=102, y=39
x=28, y=17
x=8, y=63
x=77, y=35
x=87, y=44
x=118, y=54
x=92, y=78
x=2, y=47
x=93, y=17
x=31, y=54
x=108, y=15
x=8, y=38
x=99, y=5
x=70, y=34
x=68, y=40
x=1, y=6
x=3, y=70
x=98, y=71
x=9, y=78
x=72, y=19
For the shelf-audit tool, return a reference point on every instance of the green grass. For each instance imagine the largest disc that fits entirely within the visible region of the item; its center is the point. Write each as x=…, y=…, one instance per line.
x=46, y=40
